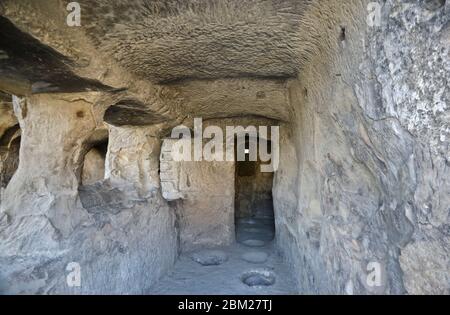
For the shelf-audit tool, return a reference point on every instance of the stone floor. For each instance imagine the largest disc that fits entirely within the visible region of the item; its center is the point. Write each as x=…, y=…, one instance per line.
x=249, y=267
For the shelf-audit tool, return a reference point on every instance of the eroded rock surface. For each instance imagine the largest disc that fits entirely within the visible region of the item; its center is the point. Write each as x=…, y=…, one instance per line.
x=366, y=194
x=93, y=167
x=205, y=194
x=362, y=104
x=44, y=226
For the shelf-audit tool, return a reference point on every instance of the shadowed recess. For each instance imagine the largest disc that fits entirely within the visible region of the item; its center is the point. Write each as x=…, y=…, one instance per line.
x=131, y=112
x=29, y=67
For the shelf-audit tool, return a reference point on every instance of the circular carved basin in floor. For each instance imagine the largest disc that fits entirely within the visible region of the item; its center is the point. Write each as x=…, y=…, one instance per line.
x=209, y=257
x=258, y=278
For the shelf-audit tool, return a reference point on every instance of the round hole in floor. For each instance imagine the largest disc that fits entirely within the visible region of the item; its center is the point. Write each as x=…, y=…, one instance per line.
x=258, y=278
x=209, y=257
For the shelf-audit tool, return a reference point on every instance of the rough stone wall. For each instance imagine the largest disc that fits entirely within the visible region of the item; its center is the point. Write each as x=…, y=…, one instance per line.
x=412, y=67
x=53, y=133
x=206, y=190
x=119, y=247
x=364, y=175
x=132, y=160
x=205, y=211
x=93, y=167
x=372, y=179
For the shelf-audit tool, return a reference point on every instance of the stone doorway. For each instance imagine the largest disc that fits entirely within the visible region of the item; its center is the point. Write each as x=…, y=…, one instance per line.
x=254, y=212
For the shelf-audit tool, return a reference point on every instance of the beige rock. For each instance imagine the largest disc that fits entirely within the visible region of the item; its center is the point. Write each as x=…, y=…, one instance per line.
x=93, y=167
x=363, y=180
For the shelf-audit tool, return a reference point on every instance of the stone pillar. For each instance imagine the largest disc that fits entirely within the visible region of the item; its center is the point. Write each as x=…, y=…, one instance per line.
x=206, y=193
x=132, y=161
x=54, y=130
x=123, y=244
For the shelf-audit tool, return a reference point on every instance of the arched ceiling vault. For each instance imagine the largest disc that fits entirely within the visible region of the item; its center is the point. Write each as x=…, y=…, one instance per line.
x=173, y=58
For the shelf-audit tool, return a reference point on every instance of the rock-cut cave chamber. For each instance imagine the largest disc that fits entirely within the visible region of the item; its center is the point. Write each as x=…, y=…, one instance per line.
x=359, y=202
